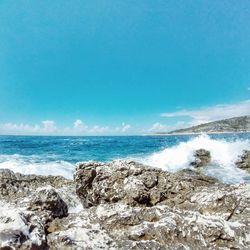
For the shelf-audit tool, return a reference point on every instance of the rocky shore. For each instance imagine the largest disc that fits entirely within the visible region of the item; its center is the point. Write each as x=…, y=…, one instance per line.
x=124, y=205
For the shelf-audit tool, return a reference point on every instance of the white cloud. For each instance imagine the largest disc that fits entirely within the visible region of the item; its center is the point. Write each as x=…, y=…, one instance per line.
x=213, y=113
x=99, y=130
x=125, y=127
x=157, y=127
x=79, y=126
x=21, y=128
x=46, y=127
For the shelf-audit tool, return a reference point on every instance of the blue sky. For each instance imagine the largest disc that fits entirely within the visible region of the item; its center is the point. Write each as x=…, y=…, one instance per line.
x=121, y=67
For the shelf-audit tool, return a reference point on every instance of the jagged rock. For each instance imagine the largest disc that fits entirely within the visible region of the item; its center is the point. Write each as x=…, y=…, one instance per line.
x=134, y=184
x=137, y=207
x=16, y=185
x=231, y=202
x=244, y=161
x=28, y=203
x=20, y=229
x=80, y=231
x=127, y=206
x=202, y=158
x=48, y=202
x=119, y=226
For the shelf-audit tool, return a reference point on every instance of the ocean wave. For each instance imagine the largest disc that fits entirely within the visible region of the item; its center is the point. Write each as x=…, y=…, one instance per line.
x=34, y=165
x=224, y=155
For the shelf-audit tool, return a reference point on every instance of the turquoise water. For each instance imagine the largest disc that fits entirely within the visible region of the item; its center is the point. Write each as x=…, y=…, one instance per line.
x=58, y=155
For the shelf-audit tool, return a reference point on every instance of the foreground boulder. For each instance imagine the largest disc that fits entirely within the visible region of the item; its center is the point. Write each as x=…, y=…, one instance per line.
x=131, y=206
x=244, y=161
x=19, y=189
x=49, y=203
x=28, y=204
x=21, y=229
x=126, y=206
x=202, y=158
x=134, y=184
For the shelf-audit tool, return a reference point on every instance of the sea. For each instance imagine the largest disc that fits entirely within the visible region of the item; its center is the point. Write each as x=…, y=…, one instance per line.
x=58, y=155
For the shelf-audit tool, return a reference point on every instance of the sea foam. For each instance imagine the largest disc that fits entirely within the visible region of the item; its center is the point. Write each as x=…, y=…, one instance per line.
x=224, y=154
x=31, y=165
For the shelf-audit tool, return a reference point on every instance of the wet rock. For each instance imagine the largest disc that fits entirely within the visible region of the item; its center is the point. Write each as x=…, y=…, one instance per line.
x=20, y=229
x=202, y=158
x=134, y=184
x=244, y=161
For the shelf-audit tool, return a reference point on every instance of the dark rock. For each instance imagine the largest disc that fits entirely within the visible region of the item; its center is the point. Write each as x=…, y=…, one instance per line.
x=202, y=158
x=244, y=161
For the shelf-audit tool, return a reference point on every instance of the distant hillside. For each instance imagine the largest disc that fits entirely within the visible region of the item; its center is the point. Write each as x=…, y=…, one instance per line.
x=236, y=124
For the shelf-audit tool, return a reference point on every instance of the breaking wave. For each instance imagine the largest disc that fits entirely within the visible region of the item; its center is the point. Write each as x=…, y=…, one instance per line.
x=224, y=154
x=35, y=154
x=33, y=165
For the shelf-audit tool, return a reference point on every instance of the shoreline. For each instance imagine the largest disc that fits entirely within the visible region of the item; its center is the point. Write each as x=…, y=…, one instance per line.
x=198, y=133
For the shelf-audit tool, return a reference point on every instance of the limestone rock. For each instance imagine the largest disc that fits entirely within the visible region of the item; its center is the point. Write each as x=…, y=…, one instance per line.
x=20, y=229
x=231, y=202
x=119, y=226
x=126, y=206
x=202, y=158
x=244, y=161
x=134, y=184
x=28, y=203
x=137, y=207
x=16, y=185
x=48, y=202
